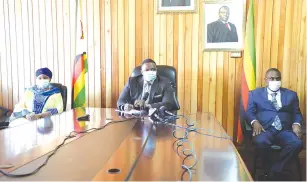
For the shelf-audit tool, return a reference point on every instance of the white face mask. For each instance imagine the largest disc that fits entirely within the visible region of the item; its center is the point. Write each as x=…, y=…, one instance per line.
x=149, y=75
x=274, y=85
x=43, y=83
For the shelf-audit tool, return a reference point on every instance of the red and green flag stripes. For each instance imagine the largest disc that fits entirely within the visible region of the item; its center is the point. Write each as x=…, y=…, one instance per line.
x=78, y=92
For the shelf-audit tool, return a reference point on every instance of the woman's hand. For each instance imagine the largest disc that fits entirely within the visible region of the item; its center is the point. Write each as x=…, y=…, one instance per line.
x=45, y=114
x=32, y=117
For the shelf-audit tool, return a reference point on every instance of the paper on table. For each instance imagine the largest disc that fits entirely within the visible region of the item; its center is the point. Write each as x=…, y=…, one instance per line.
x=18, y=121
x=131, y=112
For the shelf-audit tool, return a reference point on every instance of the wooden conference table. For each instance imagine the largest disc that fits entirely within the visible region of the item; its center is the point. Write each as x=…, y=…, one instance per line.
x=131, y=150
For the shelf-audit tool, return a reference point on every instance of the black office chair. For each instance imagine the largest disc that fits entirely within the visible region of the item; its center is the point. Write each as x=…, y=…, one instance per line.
x=63, y=90
x=247, y=133
x=4, y=114
x=163, y=70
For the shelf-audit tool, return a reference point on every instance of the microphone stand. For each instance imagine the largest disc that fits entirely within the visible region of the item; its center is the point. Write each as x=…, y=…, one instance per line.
x=142, y=116
x=145, y=97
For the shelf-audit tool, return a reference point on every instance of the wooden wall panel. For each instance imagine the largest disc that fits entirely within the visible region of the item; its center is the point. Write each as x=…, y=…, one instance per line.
x=121, y=43
x=2, y=63
x=97, y=58
x=102, y=54
x=114, y=24
x=54, y=42
x=120, y=34
x=7, y=49
x=194, y=63
x=90, y=50
x=3, y=75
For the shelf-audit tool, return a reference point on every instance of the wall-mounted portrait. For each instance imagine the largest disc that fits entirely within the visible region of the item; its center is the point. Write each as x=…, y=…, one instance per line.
x=169, y=6
x=224, y=25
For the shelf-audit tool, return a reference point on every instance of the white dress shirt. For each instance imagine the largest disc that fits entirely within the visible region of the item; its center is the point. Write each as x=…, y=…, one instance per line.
x=278, y=99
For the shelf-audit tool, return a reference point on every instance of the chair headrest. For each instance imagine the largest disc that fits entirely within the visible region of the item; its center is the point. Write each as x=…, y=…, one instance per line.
x=163, y=70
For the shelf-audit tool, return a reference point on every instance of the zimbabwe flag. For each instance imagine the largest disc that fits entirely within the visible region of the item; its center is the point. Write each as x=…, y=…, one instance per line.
x=78, y=82
x=248, y=80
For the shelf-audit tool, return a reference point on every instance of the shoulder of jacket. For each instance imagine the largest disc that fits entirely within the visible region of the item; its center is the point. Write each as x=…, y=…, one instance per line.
x=288, y=91
x=257, y=90
x=135, y=78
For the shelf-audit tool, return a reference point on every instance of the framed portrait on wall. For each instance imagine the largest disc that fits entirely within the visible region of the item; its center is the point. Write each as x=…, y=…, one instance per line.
x=169, y=6
x=224, y=23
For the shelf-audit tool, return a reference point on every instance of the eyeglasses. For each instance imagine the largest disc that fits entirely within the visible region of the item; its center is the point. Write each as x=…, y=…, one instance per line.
x=274, y=78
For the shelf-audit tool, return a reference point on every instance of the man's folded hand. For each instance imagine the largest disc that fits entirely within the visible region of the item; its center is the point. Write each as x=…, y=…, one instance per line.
x=139, y=103
x=257, y=128
x=128, y=107
x=297, y=130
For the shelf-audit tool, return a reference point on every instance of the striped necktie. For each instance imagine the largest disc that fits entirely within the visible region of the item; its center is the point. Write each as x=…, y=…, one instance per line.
x=146, y=88
x=276, y=123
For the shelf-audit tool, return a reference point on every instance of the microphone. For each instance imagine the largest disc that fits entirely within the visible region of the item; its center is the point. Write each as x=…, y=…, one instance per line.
x=143, y=113
x=84, y=118
x=145, y=97
x=153, y=114
x=164, y=110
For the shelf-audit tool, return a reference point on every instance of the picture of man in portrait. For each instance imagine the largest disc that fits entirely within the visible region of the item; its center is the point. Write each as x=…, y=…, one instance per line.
x=221, y=30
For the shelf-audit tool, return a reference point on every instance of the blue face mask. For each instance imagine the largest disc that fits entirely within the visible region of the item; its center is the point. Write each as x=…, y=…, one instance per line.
x=150, y=75
x=43, y=83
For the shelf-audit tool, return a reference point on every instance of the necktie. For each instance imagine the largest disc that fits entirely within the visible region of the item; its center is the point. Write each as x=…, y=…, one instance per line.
x=276, y=123
x=227, y=25
x=147, y=88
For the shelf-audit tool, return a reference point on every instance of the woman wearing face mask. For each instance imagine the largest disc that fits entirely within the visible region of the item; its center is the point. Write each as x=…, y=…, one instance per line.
x=41, y=100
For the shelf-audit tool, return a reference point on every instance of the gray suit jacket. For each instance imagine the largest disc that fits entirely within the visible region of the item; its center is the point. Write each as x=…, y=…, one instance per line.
x=176, y=3
x=161, y=94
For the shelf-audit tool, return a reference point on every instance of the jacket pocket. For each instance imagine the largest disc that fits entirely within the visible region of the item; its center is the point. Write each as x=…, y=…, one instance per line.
x=157, y=98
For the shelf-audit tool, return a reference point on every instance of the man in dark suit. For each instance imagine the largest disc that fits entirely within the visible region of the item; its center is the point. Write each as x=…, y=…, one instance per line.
x=159, y=88
x=222, y=30
x=176, y=3
x=275, y=116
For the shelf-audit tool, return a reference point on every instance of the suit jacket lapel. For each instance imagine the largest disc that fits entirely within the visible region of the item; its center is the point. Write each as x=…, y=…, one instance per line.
x=283, y=97
x=265, y=94
x=266, y=98
x=140, y=87
x=153, y=90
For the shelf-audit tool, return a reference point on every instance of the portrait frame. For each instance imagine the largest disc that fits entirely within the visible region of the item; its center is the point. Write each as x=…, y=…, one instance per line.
x=236, y=22
x=163, y=8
